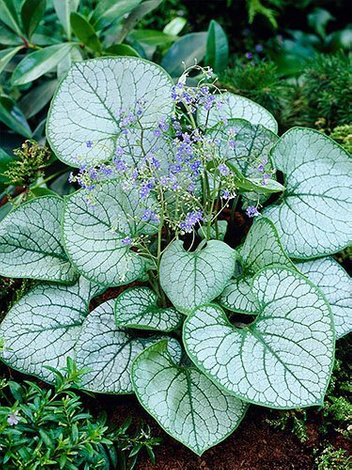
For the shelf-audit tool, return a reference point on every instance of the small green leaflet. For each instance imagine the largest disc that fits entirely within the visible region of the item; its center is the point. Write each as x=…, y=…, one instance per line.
x=236, y=107
x=108, y=352
x=261, y=249
x=185, y=403
x=193, y=278
x=30, y=242
x=312, y=218
x=42, y=328
x=87, y=106
x=138, y=308
x=282, y=360
x=94, y=231
x=336, y=285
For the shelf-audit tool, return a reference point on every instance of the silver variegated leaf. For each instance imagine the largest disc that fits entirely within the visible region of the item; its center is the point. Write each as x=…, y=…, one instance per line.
x=183, y=400
x=283, y=359
x=138, y=308
x=336, y=285
x=30, y=242
x=262, y=248
x=41, y=329
x=312, y=217
x=87, y=104
x=231, y=106
x=108, y=352
x=193, y=278
x=95, y=231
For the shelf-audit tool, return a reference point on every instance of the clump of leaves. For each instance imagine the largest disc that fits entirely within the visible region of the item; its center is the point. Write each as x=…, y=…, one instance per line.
x=42, y=427
x=343, y=135
x=160, y=166
x=31, y=160
x=260, y=82
x=331, y=458
x=295, y=420
x=326, y=91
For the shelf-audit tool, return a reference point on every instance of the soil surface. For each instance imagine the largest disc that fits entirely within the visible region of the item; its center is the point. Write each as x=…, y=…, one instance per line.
x=255, y=445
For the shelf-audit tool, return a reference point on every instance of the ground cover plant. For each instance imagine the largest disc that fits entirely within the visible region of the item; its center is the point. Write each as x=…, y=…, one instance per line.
x=50, y=428
x=203, y=326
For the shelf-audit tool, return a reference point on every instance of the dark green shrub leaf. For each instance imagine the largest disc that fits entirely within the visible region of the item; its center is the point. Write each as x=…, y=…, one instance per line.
x=38, y=63
x=217, y=54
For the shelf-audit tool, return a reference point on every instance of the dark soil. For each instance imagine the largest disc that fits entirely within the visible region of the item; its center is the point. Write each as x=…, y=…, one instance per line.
x=255, y=445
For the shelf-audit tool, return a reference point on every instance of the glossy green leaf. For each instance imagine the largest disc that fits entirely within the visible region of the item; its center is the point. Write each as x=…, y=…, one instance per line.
x=40, y=62
x=108, y=352
x=8, y=14
x=336, y=285
x=185, y=52
x=138, y=12
x=30, y=242
x=42, y=328
x=185, y=403
x=95, y=226
x=5, y=159
x=152, y=37
x=138, y=308
x=122, y=82
x=12, y=116
x=312, y=217
x=122, y=49
x=236, y=107
x=107, y=11
x=38, y=97
x=217, y=54
x=191, y=278
x=32, y=12
x=63, y=10
x=85, y=32
x=175, y=26
x=6, y=55
x=261, y=249
x=283, y=359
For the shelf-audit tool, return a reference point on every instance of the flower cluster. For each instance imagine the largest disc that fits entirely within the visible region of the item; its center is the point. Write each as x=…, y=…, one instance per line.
x=186, y=168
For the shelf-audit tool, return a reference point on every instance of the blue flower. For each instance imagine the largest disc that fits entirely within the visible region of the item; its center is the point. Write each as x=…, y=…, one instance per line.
x=252, y=211
x=89, y=143
x=127, y=241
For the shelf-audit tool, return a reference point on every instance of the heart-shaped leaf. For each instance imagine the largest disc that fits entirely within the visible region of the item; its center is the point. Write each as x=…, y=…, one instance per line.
x=262, y=248
x=96, y=91
x=108, y=352
x=41, y=329
x=185, y=403
x=30, y=242
x=230, y=106
x=245, y=145
x=138, y=308
x=336, y=285
x=312, y=216
x=282, y=360
x=193, y=278
x=95, y=232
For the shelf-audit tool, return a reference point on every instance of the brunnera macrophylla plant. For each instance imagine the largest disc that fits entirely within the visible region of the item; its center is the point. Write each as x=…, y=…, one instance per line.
x=203, y=327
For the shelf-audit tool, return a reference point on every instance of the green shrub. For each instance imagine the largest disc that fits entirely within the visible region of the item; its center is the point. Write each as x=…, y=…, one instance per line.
x=49, y=428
